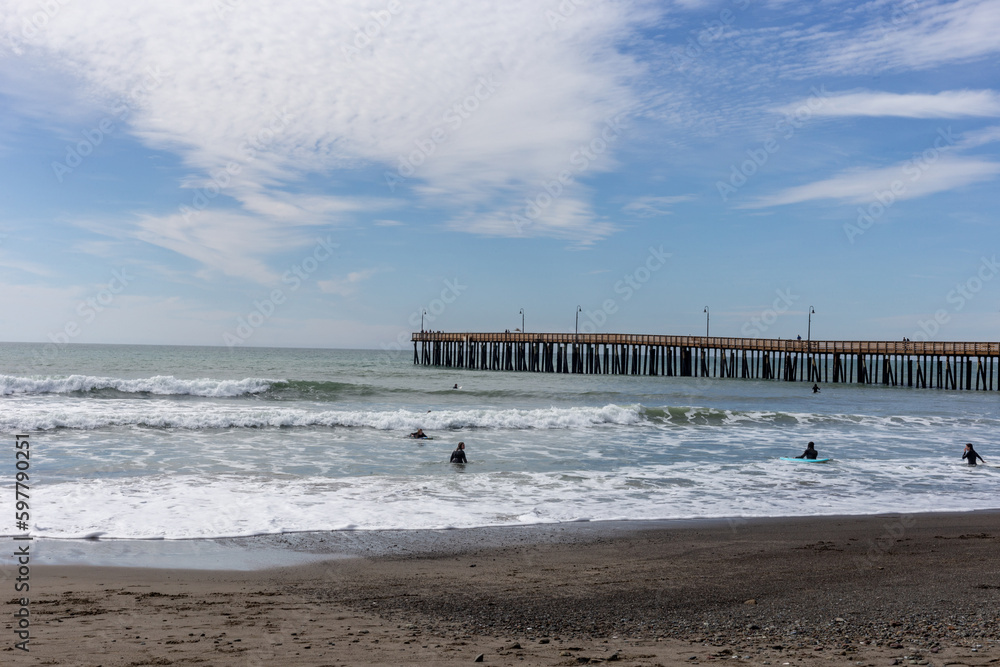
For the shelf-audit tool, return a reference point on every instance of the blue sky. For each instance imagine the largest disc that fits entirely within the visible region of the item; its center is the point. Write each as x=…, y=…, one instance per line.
x=254, y=173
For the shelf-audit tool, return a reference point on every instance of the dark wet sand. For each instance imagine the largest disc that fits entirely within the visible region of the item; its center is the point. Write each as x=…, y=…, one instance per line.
x=917, y=589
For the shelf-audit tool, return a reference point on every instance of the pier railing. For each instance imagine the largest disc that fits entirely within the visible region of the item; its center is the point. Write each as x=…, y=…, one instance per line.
x=944, y=364
x=946, y=348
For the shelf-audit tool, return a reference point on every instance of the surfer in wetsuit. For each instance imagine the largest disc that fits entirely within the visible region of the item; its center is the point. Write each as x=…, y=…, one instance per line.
x=458, y=456
x=815, y=388
x=971, y=454
x=810, y=452
x=419, y=433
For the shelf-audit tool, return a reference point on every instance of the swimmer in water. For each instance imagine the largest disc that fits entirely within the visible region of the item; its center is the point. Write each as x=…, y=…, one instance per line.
x=971, y=454
x=810, y=452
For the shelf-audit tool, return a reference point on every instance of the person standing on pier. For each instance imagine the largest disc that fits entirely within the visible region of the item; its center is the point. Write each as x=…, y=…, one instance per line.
x=971, y=454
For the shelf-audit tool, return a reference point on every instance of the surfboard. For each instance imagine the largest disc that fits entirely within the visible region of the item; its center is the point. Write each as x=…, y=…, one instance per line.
x=788, y=458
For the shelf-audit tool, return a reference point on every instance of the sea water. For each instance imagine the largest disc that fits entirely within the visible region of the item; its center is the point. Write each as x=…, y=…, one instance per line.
x=154, y=442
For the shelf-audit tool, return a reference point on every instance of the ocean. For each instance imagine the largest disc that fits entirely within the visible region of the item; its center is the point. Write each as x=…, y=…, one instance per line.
x=161, y=442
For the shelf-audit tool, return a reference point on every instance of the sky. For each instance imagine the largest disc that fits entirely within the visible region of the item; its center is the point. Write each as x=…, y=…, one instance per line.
x=251, y=173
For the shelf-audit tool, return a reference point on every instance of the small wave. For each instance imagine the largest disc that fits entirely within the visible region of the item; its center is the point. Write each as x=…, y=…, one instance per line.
x=702, y=416
x=699, y=416
x=164, y=385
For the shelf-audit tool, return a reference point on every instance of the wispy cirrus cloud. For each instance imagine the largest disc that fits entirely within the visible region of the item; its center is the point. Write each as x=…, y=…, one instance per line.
x=860, y=185
x=231, y=243
x=348, y=285
x=650, y=206
x=947, y=104
x=567, y=217
x=911, y=36
x=981, y=137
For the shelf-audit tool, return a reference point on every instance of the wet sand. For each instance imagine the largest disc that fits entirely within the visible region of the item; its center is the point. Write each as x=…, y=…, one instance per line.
x=914, y=589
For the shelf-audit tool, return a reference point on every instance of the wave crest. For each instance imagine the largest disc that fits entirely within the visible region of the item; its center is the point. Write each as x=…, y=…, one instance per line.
x=163, y=385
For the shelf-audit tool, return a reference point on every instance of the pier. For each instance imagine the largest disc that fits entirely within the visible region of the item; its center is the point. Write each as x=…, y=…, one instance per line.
x=923, y=364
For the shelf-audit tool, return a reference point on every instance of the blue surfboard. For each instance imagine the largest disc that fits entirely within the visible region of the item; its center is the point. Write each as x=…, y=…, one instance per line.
x=788, y=458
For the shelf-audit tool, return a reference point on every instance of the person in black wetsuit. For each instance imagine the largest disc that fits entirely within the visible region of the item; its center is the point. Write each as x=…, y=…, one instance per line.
x=815, y=388
x=458, y=456
x=810, y=452
x=971, y=454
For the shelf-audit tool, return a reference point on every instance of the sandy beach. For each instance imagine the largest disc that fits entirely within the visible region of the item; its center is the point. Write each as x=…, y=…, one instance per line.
x=878, y=590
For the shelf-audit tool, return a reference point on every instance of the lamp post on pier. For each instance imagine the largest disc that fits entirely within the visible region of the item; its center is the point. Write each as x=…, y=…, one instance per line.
x=576, y=336
x=522, y=320
x=707, y=316
x=422, y=313
x=809, y=344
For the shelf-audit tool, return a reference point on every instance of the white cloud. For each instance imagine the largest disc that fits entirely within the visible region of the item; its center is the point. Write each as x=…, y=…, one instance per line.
x=650, y=206
x=906, y=181
x=947, y=104
x=348, y=285
x=14, y=264
x=564, y=217
x=974, y=138
x=915, y=35
x=488, y=98
x=231, y=243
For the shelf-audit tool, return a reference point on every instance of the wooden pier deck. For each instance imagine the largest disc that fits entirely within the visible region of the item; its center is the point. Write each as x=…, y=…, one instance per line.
x=925, y=364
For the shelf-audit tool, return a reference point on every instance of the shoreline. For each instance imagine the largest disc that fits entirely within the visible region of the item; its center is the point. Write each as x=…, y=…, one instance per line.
x=278, y=550
x=803, y=591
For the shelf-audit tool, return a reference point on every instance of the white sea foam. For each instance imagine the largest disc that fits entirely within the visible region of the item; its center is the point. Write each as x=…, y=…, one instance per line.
x=170, y=414
x=196, y=507
x=160, y=384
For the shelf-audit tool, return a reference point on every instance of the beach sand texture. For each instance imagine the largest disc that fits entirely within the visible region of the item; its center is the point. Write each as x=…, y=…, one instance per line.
x=877, y=590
